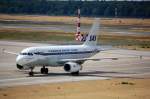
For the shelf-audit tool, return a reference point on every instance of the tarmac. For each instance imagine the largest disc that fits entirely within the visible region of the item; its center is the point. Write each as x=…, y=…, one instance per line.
x=68, y=28
x=131, y=64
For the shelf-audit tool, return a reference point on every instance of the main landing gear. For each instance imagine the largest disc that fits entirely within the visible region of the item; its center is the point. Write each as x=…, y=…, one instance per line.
x=44, y=70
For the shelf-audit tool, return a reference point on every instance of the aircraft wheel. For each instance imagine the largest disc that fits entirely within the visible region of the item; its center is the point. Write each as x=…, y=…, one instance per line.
x=46, y=70
x=42, y=70
x=31, y=73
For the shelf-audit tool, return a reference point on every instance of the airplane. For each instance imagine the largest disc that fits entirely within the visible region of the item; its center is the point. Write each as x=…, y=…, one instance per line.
x=70, y=57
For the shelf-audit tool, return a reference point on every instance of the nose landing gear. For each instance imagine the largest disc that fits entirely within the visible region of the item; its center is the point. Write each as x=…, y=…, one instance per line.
x=31, y=73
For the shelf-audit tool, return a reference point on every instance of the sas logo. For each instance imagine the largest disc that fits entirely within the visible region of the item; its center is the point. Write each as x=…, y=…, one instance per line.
x=92, y=37
x=84, y=37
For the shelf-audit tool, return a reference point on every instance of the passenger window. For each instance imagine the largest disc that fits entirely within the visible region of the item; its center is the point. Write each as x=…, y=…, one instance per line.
x=30, y=54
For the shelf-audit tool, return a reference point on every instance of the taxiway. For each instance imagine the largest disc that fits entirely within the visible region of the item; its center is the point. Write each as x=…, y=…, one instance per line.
x=135, y=65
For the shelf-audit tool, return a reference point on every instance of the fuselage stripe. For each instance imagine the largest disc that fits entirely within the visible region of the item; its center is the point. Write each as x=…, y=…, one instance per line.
x=61, y=53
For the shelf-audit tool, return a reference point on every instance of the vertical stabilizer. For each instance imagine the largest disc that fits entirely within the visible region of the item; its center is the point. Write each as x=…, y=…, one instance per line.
x=92, y=37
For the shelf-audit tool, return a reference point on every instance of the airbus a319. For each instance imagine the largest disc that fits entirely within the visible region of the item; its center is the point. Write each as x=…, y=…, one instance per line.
x=70, y=57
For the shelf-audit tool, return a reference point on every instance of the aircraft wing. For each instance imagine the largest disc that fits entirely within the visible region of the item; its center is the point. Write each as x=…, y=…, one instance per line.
x=85, y=59
x=9, y=52
x=82, y=60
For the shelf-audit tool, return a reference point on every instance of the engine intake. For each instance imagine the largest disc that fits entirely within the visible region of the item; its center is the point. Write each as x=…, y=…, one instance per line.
x=72, y=67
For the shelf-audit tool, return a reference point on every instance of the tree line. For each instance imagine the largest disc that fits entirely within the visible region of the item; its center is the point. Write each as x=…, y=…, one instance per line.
x=140, y=9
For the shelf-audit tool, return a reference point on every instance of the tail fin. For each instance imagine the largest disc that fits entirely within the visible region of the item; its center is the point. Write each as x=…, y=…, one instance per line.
x=91, y=39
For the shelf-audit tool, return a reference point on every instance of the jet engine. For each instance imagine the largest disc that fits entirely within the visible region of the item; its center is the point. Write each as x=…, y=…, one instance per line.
x=72, y=67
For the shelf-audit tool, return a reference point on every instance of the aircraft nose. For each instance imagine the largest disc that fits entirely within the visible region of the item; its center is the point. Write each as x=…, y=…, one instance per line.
x=19, y=60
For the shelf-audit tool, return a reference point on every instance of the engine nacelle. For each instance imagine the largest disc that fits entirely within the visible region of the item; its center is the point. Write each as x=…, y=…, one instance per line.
x=72, y=67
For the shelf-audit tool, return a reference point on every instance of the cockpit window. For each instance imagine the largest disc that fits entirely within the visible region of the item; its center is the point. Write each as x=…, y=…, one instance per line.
x=30, y=54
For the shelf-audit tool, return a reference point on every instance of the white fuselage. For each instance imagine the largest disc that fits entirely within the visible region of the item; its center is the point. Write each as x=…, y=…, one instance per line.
x=52, y=55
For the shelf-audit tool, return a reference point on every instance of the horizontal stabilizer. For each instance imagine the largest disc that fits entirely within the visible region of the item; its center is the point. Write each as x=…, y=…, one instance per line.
x=9, y=52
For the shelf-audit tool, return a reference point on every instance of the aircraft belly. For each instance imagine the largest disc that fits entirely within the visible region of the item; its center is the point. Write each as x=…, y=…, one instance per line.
x=51, y=61
x=43, y=61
